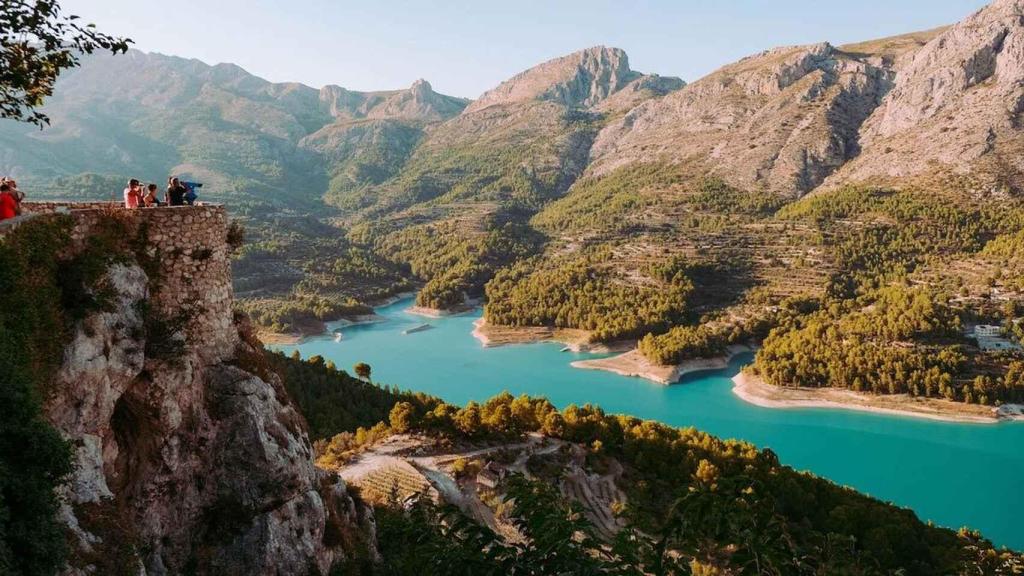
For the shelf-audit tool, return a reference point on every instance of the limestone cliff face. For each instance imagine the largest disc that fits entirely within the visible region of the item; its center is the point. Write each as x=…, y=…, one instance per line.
x=582, y=78
x=190, y=457
x=781, y=120
x=922, y=107
x=417, y=103
x=956, y=104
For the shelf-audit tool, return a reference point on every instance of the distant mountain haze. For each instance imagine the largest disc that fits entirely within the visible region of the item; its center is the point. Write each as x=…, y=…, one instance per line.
x=152, y=115
x=784, y=120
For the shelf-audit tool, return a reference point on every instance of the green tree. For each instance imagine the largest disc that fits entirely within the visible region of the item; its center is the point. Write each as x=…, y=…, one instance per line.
x=363, y=370
x=38, y=42
x=402, y=417
x=34, y=460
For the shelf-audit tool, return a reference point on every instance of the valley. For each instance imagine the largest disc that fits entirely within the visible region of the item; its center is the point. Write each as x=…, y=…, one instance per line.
x=617, y=210
x=769, y=320
x=880, y=454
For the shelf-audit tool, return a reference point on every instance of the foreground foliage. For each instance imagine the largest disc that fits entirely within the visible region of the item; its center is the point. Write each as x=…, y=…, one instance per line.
x=333, y=401
x=697, y=505
x=38, y=42
x=34, y=459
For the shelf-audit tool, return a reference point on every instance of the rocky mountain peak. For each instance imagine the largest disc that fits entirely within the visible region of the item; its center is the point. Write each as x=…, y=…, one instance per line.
x=582, y=78
x=987, y=47
x=782, y=119
x=418, y=103
x=955, y=104
x=421, y=88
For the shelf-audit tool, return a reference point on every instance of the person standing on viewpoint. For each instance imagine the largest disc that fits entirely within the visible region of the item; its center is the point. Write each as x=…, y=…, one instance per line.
x=12, y=188
x=18, y=194
x=175, y=195
x=149, y=199
x=133, y=194
x=9, y=207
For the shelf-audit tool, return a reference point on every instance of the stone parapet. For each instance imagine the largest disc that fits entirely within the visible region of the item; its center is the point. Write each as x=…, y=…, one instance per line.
x=189, y=245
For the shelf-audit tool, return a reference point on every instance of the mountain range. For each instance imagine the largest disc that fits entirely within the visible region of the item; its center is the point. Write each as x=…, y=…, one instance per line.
x=345, y=190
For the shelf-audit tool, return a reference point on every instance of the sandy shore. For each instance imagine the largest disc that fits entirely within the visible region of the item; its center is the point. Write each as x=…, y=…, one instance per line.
x=575, y=340
x=754, y=390
x=391, y=299
x=313, y=330
x=468, y=306
x=354, y=321
x=635, y=364
x=279, y=338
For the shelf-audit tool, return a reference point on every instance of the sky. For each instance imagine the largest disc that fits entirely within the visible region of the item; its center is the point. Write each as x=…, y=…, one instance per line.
x=465, y=47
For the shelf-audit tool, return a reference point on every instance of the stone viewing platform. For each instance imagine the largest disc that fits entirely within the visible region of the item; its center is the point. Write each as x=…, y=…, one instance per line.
x=188, y=246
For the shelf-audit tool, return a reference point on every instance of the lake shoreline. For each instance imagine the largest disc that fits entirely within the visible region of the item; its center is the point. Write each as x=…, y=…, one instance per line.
x=316, y=328
x=754, y=390
x=298, y=337
x=634, y=364
x=574, y=340
x=849, y=447
x=427, y=312
x=629, y=362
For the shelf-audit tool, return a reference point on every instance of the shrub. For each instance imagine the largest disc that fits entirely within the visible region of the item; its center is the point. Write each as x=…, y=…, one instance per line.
x=34, y=459
x=235, y=235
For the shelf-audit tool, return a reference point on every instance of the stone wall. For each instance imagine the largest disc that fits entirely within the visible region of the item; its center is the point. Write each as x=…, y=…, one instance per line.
x=190, y=245
x=200, y=466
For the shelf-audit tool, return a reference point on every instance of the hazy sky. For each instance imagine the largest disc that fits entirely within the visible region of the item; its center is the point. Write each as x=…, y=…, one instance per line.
x=466, y=47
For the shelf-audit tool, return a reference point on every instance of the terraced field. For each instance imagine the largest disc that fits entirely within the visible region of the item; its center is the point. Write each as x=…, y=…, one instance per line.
x=404, y=467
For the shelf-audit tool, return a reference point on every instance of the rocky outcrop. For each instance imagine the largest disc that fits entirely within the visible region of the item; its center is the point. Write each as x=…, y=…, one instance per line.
x=955, y=105
x=189, y=458
x=374, y=135
x=638, y=91
x=581, y=79
x=781, y=120
x=417, y=103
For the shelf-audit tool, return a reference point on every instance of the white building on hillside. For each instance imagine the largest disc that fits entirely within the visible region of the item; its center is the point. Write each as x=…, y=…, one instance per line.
x=988, y=331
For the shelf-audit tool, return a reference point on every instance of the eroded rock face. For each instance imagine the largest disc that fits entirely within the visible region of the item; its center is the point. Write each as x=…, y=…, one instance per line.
x=636, y=92
x=417, y=103
x=582, y=79
x=956, y=104
x=206, y=466
x=781, y=120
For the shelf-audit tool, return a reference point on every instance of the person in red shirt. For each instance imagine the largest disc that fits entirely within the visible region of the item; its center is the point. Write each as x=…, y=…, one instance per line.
x=9, y=207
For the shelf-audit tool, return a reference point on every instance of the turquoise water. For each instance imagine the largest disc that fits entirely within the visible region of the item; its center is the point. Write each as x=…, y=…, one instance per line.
x=952, y=474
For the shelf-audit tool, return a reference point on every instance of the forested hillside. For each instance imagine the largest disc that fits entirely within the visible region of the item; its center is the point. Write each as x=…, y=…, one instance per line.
x=756, y=516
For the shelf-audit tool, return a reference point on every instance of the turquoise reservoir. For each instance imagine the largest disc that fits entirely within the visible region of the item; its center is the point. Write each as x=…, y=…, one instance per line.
x=953, y=474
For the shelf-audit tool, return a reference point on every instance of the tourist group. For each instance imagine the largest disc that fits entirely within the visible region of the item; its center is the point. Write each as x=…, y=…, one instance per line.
x=178, y=193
